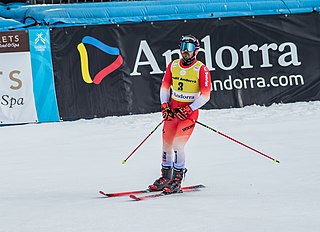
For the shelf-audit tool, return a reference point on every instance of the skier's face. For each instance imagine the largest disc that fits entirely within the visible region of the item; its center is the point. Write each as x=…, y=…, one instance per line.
x=186, y=54
x=187, y=50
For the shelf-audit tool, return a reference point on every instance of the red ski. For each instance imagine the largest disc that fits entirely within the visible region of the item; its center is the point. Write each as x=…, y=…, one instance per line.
x=155, y=195
x=120, y=194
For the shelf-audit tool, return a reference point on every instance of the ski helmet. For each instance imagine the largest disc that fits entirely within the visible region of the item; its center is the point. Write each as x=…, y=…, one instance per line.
x=189, y=42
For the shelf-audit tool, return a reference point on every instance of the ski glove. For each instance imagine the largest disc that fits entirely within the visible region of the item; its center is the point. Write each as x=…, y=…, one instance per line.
x=182, y=112
x=167, y=113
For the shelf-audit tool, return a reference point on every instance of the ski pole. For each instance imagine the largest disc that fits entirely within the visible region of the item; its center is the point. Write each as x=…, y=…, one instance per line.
x=125, y=160
x=234, y=140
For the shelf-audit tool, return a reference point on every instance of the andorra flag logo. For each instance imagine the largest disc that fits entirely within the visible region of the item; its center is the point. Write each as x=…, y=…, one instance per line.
x=85, y=60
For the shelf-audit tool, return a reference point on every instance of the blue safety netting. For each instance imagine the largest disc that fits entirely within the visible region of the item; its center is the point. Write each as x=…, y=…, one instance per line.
x=19, y=15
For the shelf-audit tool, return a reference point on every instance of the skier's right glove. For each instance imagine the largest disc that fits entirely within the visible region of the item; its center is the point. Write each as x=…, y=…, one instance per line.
x=167, y=113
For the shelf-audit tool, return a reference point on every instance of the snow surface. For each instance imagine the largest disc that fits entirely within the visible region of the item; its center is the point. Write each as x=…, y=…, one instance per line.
x=50, y=174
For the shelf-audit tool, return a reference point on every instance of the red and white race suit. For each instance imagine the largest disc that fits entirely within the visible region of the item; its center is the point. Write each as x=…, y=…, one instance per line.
x=189, y=85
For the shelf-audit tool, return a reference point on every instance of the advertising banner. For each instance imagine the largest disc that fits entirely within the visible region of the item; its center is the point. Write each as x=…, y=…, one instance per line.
x=117, y=69
x=42, y=73
x=16, y=87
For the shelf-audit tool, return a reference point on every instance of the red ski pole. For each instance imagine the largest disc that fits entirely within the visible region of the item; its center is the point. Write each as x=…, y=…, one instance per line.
x=234, y=140
x=125, y=160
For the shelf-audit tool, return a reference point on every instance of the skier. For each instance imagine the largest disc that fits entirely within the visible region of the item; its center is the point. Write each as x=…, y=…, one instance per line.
x=190, y=83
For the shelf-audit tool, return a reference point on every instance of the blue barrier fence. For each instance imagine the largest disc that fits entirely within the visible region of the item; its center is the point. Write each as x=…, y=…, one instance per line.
x=17, y=15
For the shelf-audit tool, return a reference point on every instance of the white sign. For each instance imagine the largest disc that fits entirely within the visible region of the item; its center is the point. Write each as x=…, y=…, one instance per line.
x=16, y=89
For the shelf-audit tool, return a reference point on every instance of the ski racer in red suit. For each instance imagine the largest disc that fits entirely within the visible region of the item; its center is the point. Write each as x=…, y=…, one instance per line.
x=186, y=87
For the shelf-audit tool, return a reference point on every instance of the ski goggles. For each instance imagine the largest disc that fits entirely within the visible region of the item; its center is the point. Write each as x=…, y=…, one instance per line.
x=187, y=46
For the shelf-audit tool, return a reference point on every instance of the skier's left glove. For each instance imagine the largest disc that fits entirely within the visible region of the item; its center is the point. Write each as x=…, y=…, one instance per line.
x=182, y=112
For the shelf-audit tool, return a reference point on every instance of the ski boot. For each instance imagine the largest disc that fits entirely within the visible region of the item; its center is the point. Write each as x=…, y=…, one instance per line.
x=160, y=183
x=174, y=185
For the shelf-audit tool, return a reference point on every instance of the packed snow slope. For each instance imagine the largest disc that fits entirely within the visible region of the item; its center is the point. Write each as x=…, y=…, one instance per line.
x=51, y=174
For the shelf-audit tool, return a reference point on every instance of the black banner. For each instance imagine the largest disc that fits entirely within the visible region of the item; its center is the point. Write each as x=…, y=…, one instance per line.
x=117, y=69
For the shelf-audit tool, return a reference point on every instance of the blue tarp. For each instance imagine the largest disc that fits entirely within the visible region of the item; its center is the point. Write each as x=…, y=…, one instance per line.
x=142, y=11
x=9, y=24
